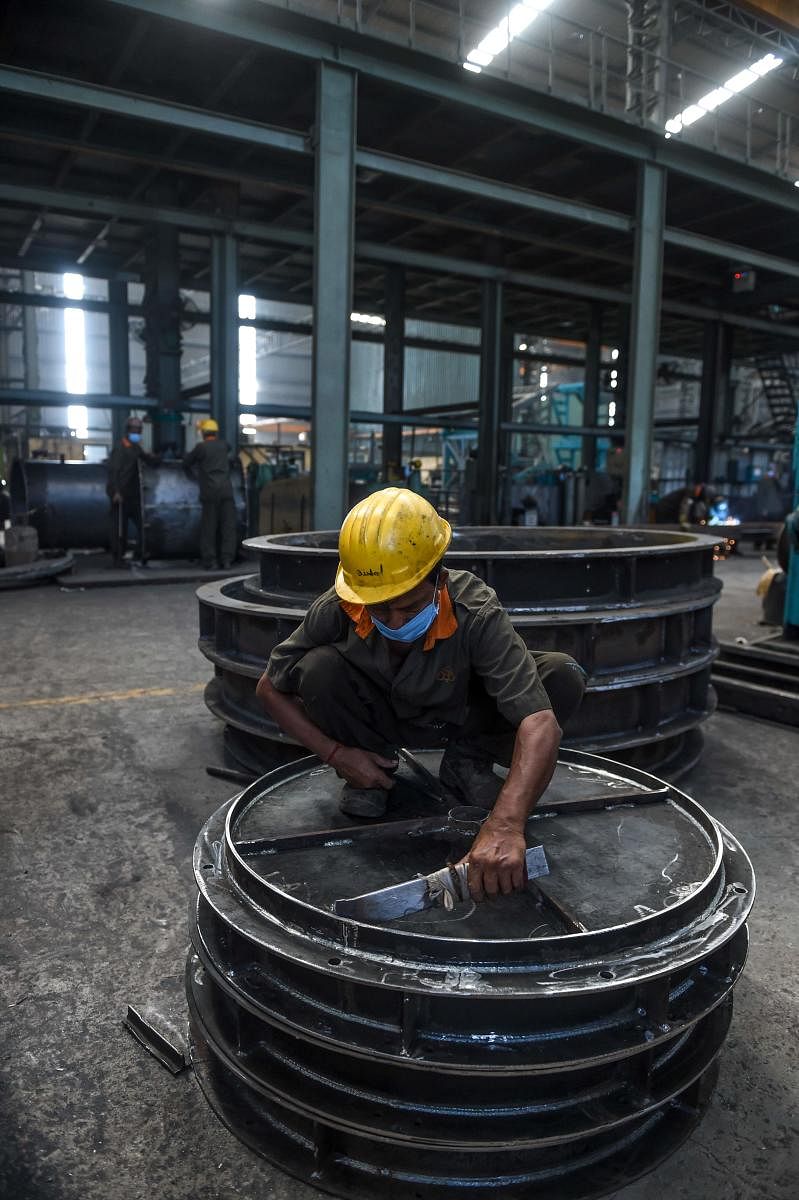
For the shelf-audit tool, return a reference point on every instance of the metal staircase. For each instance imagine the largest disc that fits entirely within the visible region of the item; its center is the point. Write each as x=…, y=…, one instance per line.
x=777, y=378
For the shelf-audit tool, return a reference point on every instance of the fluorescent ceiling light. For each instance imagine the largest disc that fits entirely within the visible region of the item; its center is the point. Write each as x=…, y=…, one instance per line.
x=499, y=38
x=720, y=95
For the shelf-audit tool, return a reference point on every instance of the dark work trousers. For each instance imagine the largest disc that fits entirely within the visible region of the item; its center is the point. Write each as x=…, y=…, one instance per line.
x=218, y=521
x=354, y=710
x=121, y=514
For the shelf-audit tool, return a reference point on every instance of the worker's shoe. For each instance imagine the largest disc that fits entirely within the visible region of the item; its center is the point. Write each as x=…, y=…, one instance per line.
x=469, y=778
x=363, y=802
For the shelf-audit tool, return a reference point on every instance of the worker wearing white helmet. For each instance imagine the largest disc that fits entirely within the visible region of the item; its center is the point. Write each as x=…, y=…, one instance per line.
x=403, y=652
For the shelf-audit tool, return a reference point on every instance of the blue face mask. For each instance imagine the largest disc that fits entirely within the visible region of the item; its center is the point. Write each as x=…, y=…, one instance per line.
x=134, y=437
x=415, y=628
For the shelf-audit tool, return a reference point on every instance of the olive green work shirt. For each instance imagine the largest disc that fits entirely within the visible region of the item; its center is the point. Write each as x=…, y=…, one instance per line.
x=429, y=685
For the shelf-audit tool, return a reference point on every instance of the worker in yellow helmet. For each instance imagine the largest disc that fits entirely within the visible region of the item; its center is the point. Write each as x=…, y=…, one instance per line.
x=209, y=464
x=403, y=652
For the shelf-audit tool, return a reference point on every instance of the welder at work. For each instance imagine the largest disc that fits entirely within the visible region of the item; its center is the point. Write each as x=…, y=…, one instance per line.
x=402, y=652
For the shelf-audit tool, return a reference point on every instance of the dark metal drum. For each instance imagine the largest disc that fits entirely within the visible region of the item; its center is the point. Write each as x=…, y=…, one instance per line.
x=633, y=606
x=171, y=510
x=65, y=502
x=554, y=1043
x=68, y=506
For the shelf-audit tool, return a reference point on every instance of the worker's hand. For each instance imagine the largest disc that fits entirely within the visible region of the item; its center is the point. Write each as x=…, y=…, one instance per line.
x=117, y=497
x=496, y=860
x=362, y=768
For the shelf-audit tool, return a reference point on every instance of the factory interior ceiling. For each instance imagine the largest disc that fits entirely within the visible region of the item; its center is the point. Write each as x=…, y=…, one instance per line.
x=57, y=152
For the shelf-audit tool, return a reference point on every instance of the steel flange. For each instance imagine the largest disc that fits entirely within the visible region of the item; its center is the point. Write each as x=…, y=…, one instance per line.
x=555, y=1043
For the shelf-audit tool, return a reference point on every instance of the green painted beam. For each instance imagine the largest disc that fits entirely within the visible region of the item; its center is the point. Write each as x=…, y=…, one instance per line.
x=334, y=236
x=145, y=108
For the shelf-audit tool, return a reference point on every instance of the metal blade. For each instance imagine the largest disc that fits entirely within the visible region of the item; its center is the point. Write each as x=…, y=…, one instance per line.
x=413, y=896
x=387, y=904
x=426, y=779
x=536, y=860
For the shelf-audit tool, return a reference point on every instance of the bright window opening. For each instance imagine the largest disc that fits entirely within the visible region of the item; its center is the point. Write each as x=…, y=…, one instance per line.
x=75, y=375
x=248, y=361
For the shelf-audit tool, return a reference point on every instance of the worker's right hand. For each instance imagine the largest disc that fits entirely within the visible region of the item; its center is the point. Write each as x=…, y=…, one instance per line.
x=117, y=497
x=362, y=768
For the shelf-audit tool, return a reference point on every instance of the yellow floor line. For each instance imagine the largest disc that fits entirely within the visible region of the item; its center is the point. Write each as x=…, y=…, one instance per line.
x=99, y=697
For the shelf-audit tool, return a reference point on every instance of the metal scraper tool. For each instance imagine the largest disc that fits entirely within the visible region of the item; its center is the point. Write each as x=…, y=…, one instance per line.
x=442, y=889
x=424, y=778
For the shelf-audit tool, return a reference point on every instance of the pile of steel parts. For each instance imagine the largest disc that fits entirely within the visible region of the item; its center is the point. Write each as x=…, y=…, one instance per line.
x=760, y=678
x=633, y=606
x=44, y=567
x=68, y=506
x=555, y=1043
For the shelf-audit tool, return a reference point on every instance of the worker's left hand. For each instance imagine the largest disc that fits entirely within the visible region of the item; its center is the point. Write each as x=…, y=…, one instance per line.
x=496, y=860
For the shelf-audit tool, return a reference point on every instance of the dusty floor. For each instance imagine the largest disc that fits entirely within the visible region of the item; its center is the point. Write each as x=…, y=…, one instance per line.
x=104, y=740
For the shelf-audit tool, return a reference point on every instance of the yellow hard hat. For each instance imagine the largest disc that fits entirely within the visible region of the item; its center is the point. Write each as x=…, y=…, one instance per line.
x=208, y=426
x=388, y=543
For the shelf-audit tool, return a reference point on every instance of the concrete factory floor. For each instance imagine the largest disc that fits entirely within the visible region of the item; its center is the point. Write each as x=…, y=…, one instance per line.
x=103, y=748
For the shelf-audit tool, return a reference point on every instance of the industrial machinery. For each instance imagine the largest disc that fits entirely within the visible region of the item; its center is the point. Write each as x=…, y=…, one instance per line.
x=555, y=1043
x=762, y=677
x=633, y=606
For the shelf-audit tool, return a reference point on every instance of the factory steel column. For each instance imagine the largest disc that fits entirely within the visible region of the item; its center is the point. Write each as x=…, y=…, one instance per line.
x=225, y=336
x=162, y=309
x=593, y=354
x=334, y=222
x=644, y=335
x=393, y=370
x=30, y=355
x=491, y=404
x=118, y=353
x=715, y=384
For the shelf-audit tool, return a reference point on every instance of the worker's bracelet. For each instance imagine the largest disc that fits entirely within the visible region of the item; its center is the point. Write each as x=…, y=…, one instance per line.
x=338, y=746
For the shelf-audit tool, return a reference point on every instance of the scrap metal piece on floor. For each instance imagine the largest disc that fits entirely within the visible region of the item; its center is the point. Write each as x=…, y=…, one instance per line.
x=559, y=1043
x=99, y=573
x=38, y=571
x=169, y=1053
x=760, y=678
x=232, y=776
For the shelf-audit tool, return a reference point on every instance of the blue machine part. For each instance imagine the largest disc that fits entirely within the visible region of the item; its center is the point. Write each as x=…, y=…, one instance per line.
x=791, y=614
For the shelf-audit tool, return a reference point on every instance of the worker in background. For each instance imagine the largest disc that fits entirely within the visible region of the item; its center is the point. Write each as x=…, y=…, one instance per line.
x=403, y=652
x=209, y=463
x=123, y=489
x=686, y=506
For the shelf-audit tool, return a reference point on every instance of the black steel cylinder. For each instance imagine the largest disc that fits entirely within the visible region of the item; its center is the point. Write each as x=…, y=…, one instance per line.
x=68, y=506
x=171, y=510
x=553, y=1044
x=633, y=606
x=65, y=502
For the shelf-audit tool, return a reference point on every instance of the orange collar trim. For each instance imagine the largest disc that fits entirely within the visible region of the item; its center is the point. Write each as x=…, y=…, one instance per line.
x=443, y=627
